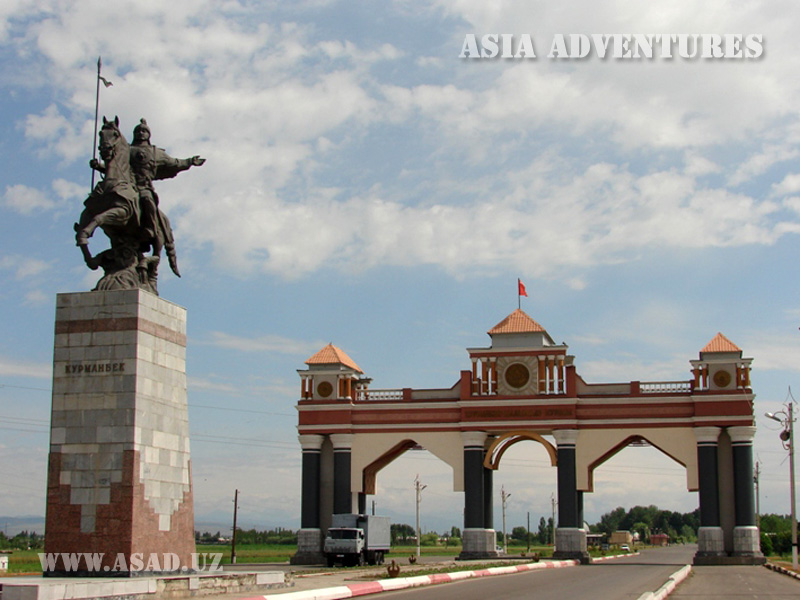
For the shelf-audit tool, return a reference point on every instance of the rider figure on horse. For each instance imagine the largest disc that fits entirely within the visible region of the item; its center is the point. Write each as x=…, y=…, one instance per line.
x=148, y=164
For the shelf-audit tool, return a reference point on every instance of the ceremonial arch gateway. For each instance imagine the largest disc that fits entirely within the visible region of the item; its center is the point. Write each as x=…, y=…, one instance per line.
x=526, y=387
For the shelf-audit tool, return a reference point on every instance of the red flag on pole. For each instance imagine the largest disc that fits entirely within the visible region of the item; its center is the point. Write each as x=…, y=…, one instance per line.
x=522, y=291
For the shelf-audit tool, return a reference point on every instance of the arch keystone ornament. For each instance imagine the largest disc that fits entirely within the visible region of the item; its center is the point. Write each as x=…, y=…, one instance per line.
x=525, y=387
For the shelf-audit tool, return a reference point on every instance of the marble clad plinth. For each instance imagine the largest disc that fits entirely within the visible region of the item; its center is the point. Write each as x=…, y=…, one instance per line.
x=119, y=477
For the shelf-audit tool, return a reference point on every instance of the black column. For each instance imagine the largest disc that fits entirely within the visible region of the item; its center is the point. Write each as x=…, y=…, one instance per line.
x=567, y=490
x=743, y=492
x=707, y=469
x=579, y=496
x=342, y=494
x=473, y=487
x=488, y=500
x=309, y=502
x=362, y=503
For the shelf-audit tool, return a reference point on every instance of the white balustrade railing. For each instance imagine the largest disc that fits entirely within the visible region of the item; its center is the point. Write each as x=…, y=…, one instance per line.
x=665, y=387
x=379, y=395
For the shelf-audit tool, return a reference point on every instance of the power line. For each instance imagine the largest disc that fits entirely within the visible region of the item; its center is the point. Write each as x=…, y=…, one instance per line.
x=191, y=405
x=23, y=387
x=247, y=410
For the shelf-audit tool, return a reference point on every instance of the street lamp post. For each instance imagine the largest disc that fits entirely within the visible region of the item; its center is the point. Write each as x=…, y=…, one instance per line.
x=419, y=487
x=787, y=437
x=504, y=498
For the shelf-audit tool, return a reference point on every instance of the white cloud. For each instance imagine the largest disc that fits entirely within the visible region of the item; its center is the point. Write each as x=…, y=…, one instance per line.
x=775, y=351
x=789, y=185
x=601, y=216
x=265, y=343
x=759, y=162
x=27, y=200
x=622, y=369
x=289, y=120
x=37, y=298
x=15, y=368
x=23, y=267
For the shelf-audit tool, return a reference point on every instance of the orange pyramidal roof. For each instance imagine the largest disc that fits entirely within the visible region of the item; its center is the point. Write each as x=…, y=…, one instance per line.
x=516, y=322
x=331, y=355
x=721, y=344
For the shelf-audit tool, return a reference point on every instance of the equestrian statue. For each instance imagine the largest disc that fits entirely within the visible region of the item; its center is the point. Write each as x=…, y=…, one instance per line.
x=124, y=204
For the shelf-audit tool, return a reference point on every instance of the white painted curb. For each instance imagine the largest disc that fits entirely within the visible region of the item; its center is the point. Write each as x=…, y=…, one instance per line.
x=371, y=587
x=669, y=587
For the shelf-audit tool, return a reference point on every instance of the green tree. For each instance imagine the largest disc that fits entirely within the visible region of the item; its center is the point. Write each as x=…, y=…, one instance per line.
x=643, y=530
x=688, y=534
x=612, y=521
x=772, y=523
x=543, y=533
x=429, y=539
x=520, y=534
x=401, y=533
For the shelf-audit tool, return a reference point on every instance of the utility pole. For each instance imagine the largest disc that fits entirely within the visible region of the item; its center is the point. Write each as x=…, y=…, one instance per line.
x=233, y=537
x=756, y=477
x=504, y=497
x=419, y=487
x=791, y=483
x=553, y=521
x=529, y=532
x=787, y=438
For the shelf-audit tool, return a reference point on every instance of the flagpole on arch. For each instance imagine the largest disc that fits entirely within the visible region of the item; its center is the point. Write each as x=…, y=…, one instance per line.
x=521, y=291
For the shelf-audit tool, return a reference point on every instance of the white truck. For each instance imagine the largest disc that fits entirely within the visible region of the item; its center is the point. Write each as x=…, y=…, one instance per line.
x=357, y=539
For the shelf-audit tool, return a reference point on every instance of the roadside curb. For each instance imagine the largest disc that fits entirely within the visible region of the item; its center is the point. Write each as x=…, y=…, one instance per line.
x=783, y=570
x=614, y=557
x=669, y=587
x=385, y=585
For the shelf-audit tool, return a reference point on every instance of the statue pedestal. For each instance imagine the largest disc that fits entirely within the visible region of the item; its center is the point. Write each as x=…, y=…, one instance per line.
x=119, y=478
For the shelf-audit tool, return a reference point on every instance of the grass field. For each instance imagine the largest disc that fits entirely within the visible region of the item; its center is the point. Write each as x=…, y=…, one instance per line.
x=27, y=561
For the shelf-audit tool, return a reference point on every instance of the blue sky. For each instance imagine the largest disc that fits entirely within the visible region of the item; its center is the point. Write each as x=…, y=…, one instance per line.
x=366, y=186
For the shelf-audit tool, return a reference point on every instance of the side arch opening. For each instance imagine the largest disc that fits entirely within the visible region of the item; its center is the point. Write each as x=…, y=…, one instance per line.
x=499, y=446
x=370, y=473
x=631, y=440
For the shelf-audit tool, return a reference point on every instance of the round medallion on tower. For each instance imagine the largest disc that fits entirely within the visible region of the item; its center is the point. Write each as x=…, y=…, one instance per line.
x=325, y=389
x=517, y=375
x=722, y=378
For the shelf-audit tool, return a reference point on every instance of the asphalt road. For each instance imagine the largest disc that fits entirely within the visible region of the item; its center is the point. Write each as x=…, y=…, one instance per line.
x=620, y=579
x=737, y=583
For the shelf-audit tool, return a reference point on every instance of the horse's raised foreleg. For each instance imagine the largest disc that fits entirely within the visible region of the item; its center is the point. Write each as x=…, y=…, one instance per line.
x=113, y=216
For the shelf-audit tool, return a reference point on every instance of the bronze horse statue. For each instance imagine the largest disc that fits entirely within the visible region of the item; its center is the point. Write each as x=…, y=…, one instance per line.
x=114, y=207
